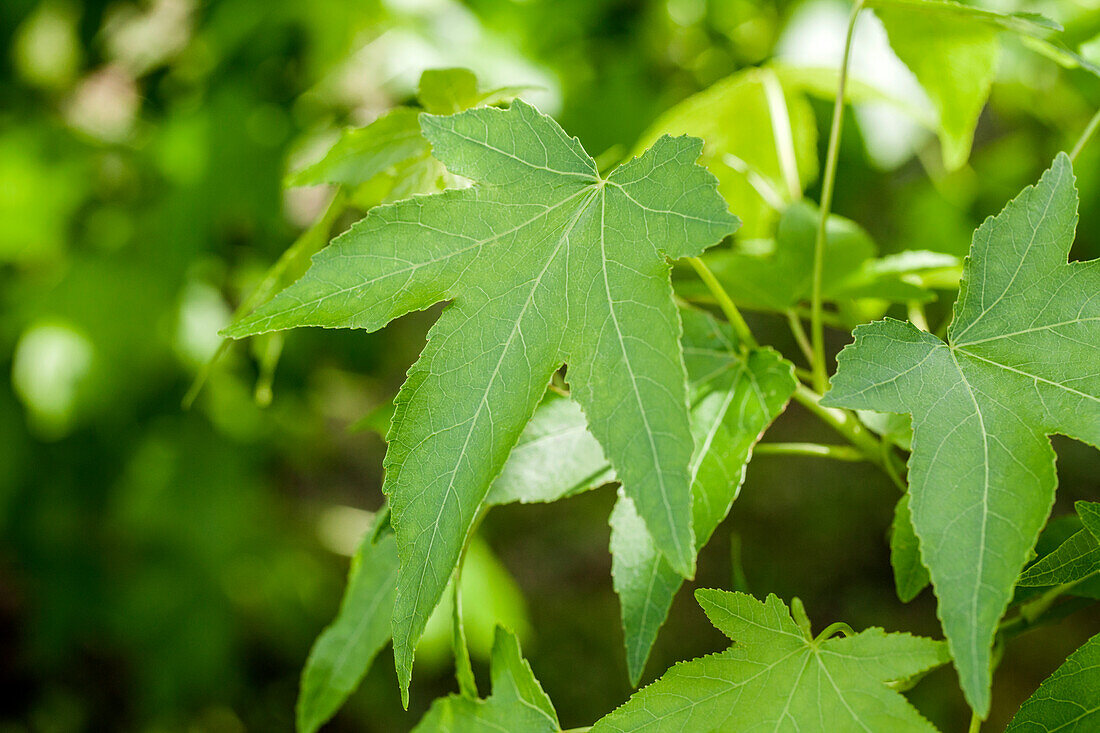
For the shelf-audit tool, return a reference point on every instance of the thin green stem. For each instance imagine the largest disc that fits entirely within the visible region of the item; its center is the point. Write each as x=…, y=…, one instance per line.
x=975, y=723
x=464, y=671
x=817, y=329
x=1085, y=136
x=725, y=302
x=800, y=337
x=843, y=422
x=818, y=450
x=833, y=629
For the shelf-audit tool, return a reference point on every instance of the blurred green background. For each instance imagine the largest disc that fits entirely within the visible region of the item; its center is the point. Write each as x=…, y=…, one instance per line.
x=165, y=569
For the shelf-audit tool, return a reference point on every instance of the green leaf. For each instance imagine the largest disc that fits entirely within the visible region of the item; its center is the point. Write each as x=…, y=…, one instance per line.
x=1019, y=364
x=760, y=141
x=344, y=651
x=774, y=677
x=362, y=153
x=1069, y=700
x=1075, y=559
x=545, y=262
x=952, y=50
x=446, y=91
x=518, y=702
x=953, y=55
x=1028, y=24
x=735, y=398
x=779, y=279
x=555, y=457
x=895, y=428
x=910, y=575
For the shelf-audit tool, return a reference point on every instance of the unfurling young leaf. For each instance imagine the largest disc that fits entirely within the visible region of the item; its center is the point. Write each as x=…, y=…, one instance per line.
x=546, y=263
x=518, y=702
x=1019, y=364
x=775, y=677
x=1075, y=559
x=1069, y=700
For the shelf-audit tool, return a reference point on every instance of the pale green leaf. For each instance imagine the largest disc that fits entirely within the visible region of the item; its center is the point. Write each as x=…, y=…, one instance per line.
x=344, y=651
x=545, y=262
x=910, y=575
x=952, y=49
x=760, y=140
x=362, y=153
x=895, y=428
x=735, y=397
x=517, y=703
x=446, y=91
x=779, y=277
x=1069, y=700
x=776, y=678
x=1075, y=559
x=953, y=55
x=555, y=457
x=1019, y=364
x=947, y=11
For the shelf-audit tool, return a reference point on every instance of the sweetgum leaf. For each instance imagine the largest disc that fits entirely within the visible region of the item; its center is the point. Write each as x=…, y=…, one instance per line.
x=545, y=262
x=775, y=677
x=952, y=50
x=1069, y=700
x=1019, y=364
x=735, y=397
x=518, y=702
x=344, y=651
x=954, y=58
x=760, y=141
x=1075, y=559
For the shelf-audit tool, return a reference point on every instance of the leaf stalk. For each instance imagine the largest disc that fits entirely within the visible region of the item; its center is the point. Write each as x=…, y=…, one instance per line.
x=725, y=302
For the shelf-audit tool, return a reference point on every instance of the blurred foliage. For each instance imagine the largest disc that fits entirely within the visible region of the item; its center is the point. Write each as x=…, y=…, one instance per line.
x=165, y=569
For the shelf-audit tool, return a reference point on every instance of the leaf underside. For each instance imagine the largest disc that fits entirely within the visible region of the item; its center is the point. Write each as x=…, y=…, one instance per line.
x=1019, y=364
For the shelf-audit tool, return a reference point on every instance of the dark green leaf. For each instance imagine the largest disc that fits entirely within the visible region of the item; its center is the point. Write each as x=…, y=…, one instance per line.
x=1019, y=364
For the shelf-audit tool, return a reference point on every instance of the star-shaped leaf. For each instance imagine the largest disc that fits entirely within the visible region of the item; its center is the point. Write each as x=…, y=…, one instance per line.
x=1020, y=363
x=777, y=678
x=1069, y=700
x=546, y=262
x=518, y=702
